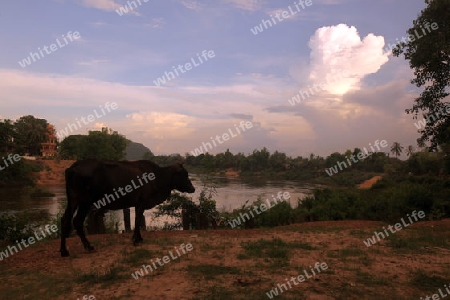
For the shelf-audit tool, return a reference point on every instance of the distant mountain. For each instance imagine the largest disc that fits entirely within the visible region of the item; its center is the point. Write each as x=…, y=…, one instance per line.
x=135, y=151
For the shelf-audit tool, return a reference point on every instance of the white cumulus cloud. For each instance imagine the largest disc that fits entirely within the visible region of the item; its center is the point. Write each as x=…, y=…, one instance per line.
x=340, y=48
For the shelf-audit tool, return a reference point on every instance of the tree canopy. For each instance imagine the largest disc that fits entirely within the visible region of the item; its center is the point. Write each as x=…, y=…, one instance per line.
x=104, y=144
x=428, y=50
x=25, y=135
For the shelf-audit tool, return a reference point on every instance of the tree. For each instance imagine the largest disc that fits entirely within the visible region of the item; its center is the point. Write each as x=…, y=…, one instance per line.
x=410, y=151
x=30, y=133
x=396, y=149
x=428, y=52
x=105, y=144
x=7, y=136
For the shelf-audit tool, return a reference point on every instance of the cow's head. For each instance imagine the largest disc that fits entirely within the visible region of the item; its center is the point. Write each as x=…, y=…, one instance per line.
x=181, y=179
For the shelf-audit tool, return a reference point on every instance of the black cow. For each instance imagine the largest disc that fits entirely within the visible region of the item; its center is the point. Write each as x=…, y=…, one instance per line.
x=117, y=184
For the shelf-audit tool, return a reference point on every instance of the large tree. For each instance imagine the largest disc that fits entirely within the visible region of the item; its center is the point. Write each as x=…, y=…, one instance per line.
x=428, y=50
x=30, y=133
x=105, y=144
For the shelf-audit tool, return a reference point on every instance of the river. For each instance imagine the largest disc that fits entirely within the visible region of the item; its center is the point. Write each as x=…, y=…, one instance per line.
x=231, y=194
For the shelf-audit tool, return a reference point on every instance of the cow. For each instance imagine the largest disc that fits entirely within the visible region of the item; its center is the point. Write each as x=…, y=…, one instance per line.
x=102, y=183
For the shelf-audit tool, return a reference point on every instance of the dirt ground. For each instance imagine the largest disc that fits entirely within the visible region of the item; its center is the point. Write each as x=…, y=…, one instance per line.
x=368, y=183
x=410, y=264
x=54, y=176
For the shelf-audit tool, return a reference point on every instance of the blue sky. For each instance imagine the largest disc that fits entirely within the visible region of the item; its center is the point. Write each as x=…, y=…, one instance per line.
x=251, y=77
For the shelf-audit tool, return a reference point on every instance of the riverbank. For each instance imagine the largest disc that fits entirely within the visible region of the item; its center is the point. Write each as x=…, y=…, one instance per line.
x=232, y=264
x=53, y=172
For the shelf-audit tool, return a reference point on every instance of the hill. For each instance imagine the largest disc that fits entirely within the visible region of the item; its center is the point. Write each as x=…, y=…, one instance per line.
x=135, y=151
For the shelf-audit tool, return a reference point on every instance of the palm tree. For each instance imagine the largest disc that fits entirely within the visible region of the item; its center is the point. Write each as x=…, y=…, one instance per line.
x=410, y=150
x=396, y=149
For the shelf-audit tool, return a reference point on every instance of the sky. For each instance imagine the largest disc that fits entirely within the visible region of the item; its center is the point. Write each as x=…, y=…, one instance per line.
x=216, y=71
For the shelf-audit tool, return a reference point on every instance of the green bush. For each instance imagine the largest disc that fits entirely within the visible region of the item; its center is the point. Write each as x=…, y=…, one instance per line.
x=17, y=174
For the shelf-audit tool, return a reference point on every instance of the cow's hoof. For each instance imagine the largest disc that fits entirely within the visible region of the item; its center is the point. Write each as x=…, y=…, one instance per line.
x=64, y=253
x=137, y=242
x=90, y=248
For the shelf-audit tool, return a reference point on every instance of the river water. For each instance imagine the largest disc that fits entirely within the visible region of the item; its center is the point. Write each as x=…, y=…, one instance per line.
x=231, y=194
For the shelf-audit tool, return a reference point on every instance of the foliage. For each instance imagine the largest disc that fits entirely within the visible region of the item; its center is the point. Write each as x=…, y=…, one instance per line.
x=429, y=56
x=105, y=144
x=396, y=149
x=30, y=132
x=19, y=173
x=426, y=163
x=7, y=136
x=176, y=203
x=262, y=163
x=390, y=199
x=21, y=225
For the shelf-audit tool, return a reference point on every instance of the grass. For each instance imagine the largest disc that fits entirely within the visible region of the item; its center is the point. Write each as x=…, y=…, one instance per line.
x=417, y=241
x=420, y=279
x=276, y=248
x=109, y=276
x=275, y=253
x=138, y=256
x=37, y=286
x=218, y=268
x=370, y=280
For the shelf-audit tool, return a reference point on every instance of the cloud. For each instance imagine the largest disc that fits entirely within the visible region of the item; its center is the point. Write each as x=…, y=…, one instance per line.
x=340, y=48
x=192, y=4
x=180, y=118
x=250, y=5
x=273, y=12
x=161, y=125
x=156, y=23
x=107, y=5
x=241, y=116
x=93, y=62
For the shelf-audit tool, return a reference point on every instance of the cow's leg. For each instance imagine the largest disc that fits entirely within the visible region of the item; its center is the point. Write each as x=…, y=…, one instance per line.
x=78, y=224
x=137, y=238
x=66, y=221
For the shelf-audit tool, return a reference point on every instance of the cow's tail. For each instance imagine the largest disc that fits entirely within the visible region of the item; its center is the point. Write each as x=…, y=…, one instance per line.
x=66, y=219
